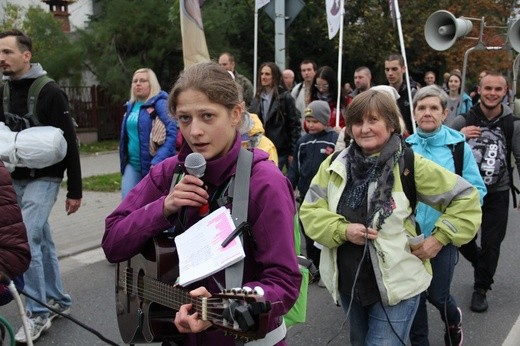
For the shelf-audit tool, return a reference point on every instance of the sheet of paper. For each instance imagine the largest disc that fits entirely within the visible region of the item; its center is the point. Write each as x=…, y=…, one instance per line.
x=200, y=251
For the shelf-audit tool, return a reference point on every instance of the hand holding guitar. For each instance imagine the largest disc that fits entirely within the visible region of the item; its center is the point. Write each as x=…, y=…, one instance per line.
x=191, y=323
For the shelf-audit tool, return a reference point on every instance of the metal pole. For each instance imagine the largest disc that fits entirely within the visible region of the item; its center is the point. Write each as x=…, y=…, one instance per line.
x=515, y=76
x=403, y=53
x=340, y=59
x=279, y=33
x=255, y=50
x=478, y=46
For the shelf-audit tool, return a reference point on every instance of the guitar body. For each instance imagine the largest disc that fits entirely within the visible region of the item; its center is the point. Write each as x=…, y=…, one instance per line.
x=141, y=320
x=147, y=300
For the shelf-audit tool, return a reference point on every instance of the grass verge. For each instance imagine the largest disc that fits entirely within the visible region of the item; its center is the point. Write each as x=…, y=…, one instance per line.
x=101, y=183
x=99, y=147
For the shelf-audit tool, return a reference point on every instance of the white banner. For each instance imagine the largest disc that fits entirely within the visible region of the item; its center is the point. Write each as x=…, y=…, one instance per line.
x=333, y=8
x=261, y=3
x=194, y=48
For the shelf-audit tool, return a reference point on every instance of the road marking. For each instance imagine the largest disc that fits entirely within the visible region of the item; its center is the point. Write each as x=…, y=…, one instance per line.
x=513, y=338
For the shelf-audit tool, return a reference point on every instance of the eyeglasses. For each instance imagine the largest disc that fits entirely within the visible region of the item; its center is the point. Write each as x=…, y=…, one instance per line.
x=321, y=86
x=142, y=80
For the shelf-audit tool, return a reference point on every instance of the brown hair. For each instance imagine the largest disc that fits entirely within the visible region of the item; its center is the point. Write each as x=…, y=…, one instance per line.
x=372, y=101
x=208, y=78
x=24, y=42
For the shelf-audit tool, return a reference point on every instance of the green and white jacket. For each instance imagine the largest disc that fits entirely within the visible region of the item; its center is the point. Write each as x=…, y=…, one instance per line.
x=400, y=274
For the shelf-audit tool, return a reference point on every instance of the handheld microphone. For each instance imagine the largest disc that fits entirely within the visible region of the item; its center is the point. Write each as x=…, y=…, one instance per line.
x=196, y=165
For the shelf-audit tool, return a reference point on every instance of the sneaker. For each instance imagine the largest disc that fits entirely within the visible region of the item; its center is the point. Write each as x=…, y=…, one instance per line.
x=478, y=300
x=62, y=309
x=453, y=336
x=35, y=326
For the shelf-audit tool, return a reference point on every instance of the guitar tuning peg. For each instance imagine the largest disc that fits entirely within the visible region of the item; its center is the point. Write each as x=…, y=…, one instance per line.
x=259, y=291
x=247, y=290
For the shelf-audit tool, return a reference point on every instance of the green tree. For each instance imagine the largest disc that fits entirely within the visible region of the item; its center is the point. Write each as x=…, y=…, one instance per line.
x=51, y=46
x=127, y=35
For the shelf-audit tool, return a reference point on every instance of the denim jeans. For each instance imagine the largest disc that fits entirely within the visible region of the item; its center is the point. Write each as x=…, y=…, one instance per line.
x=36, y=197
x=377, y=325
x=129, y=179
x=438, y=294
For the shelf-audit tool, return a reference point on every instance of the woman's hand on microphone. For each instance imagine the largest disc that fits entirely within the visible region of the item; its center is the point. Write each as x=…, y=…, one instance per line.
x=189, y=192
x=358, y=234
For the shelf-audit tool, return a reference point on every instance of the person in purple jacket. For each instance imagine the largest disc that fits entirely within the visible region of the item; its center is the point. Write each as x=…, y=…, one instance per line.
x=206, y=103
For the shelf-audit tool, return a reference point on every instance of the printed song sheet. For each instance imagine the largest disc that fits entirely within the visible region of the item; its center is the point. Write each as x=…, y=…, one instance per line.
x=200, y=251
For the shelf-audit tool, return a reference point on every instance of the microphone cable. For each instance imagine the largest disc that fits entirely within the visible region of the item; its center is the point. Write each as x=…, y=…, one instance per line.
x=69, y=317
x=365, y=249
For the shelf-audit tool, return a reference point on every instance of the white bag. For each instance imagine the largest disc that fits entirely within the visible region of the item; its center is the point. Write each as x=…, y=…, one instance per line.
x=35, y=147
x=7, y=151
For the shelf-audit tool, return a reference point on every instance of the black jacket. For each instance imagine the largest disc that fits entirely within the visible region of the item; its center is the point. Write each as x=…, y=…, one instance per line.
x=282, y=124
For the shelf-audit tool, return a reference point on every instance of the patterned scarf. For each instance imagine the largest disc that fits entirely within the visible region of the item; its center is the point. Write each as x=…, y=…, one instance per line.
x=361, y=171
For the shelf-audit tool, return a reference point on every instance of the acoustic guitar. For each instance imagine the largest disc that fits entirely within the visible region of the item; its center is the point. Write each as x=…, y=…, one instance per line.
x=147, y=300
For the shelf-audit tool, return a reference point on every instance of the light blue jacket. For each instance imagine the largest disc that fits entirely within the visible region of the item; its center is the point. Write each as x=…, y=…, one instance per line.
x=435, y=146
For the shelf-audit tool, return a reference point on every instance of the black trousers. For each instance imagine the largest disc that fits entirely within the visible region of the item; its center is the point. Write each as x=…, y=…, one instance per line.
x=484, y=259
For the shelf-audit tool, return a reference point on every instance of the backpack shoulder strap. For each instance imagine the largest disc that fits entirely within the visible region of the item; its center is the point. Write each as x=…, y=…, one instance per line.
x=299, y=89
x=470, y=117
x=508, y=125
x=32, y=96
x=334, y=156
x=408, y=177
x=6, y=97
x=406, y=166
x=235, y=273
x=177, y=176
x=457, y=150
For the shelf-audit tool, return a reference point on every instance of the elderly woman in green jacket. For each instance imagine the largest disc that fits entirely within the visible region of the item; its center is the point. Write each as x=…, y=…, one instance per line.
x=357, y=209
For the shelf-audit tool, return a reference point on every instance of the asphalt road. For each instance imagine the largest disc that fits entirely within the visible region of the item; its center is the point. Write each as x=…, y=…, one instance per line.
x=90, y=280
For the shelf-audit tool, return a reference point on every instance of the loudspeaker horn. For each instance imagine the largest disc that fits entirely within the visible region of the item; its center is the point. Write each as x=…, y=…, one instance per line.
x=442, y=29
x=513, y=35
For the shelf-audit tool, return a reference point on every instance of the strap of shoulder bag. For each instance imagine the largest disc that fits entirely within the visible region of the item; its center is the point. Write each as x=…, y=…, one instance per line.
x=235, y=273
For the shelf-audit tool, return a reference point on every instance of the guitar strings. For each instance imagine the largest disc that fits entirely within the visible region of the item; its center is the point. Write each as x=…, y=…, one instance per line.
x=164, y=292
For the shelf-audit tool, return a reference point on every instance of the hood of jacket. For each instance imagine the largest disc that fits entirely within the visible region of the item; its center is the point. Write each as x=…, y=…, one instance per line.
x=477, y=110
x=442, y=137
x=34, y=72
x=258, y=128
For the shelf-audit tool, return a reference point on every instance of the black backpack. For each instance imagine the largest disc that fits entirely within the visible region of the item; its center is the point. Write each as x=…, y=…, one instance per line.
x=18, y=122
x=506, y=124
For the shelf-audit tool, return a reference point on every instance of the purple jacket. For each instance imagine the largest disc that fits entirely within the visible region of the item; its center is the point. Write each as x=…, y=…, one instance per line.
x=270, y=255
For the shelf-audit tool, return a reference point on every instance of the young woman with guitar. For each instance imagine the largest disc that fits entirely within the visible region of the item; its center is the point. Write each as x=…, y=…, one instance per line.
x=206, y=102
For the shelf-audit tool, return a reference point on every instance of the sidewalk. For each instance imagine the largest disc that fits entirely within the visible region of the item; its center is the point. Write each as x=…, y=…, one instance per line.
x=83, y=230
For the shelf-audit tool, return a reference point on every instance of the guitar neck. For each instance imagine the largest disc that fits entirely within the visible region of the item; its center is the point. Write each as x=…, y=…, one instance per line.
x=171, y=296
